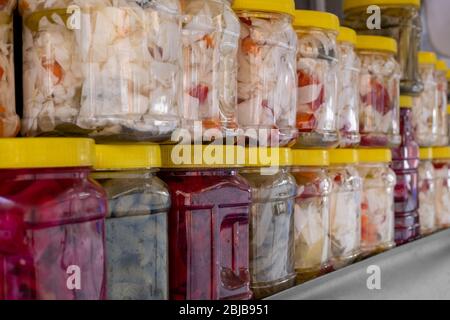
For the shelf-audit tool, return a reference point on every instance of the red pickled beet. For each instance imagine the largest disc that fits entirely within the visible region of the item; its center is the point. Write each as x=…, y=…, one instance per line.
x=378, y=97
x=200, y=92
x=304, y=80
x=306, y=122
x=374, y=140
x=50, y=221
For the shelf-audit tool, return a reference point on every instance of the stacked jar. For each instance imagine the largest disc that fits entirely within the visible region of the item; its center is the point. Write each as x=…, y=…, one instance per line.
x=379, y=92
x=52, y=218
x=267, y=82
x=271, y=220
x=441, y=163
x=427, y=192
x=441, y=79
x=136, y=224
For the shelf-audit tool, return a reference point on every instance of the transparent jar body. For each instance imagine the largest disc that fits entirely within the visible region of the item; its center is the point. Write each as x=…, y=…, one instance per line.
x=426, y=112
x=442, y=173
x=51, y=228
x=377, y=208
x=136, y=235
x=208, y=235
x=379, y=105
x=345, y=215
x=272, y=267
x=427, y=197
x=402, y=23
x=267, y=82
x=348, y=96
x=110, y=70
x=317, y=72
x=312, y=222
x=442, y=87
x=210, y=48
x=9, y=121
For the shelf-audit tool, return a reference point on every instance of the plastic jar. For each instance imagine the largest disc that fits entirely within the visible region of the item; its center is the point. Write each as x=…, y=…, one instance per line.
x=9, y=121
x=426, y=105
x=106, y=69
x=405, y=163
x=399, y=20
x=441, y=162
x=427, y=192
x=379, y=92
x=136, y=224
x=377, y=206
x=52, y=218
x=210, y=48
x=208, y=223
x=348, y=89
x=271, y=220
x=441, y=77
x=345, y=208
x=267, y=95
x=317, y=72
x=448, y=119
x=312, y=213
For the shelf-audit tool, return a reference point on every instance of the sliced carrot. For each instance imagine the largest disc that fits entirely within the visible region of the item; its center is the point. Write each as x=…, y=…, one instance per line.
x=250, y=47
x=211, y=124
x=2, y=109
x=209, y=41
x=2, y=72
x=54, y=68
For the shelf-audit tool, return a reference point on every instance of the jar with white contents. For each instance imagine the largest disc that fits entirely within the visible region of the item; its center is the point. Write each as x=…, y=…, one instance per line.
x=427, y=192
x=441, y=163
x=441, y=79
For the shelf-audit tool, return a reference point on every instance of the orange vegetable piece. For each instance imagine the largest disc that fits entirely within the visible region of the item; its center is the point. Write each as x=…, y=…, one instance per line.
x=2, y=72
x=211, y=124
x=209, y=41
x=250, y=47
x=54, y=68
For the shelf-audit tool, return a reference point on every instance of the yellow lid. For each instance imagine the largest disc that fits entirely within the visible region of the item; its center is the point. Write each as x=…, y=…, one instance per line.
x=32, y=153
x=426, y=153
x=406, y=102
x=427, y=57
x=441, y=65
x=376, y=43
x=352, y=4
x=374, y=155
x=310, y=158
x=268, y=157
x=347, y=35
x=277, y=6
x=448, y=109
x=448, y=75
x=202, y=157
x=343, y=156
x=315, y=19
x=441, y=153
x=121, y=157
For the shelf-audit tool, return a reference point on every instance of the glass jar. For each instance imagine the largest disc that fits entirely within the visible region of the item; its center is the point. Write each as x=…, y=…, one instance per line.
x=208, y=224
x=317, y=72
x=52, y=219
x=210, y=47
x=109, y=70
x=377, y=205
x=441, y=163
x=136, y=224
x=399, y=20
x=441, y=77
x=405, y=163
x=426, y=105
x=9, y=121
x=427, y=192
x=267, y=81
x=271, y=221
x=448, y=120
x=348, y=89
x=345, y=208
x=312, y=213
x=379, y=92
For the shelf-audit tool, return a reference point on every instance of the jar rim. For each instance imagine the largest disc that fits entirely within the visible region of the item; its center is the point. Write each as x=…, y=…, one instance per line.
x=354, y=4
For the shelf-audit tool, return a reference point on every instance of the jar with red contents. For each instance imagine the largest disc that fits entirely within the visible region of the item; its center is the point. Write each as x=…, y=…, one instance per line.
x=52, y=220
x=427, y=192
x=317, y=72
x=441, y=163
x=405, y=163
x=208, y=223
x=441, y=79
x=379, y=92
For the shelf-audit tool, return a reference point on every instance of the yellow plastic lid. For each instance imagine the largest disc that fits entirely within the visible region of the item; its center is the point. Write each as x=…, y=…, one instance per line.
x=441, y=153
x=427, y=57
x=448, y=75
x=202, y=157
x=376, y=43
x=268, y=157
x=448, y=109
x=374, y=155
x=347, y=35
x=311, y=158
x=278, y=6
x=426, y=153
x=344, y=156
x=120, y=157
x=315, y=19
x=33, y=153
x=406, y=102
x=441, y=65
x=352, y=4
